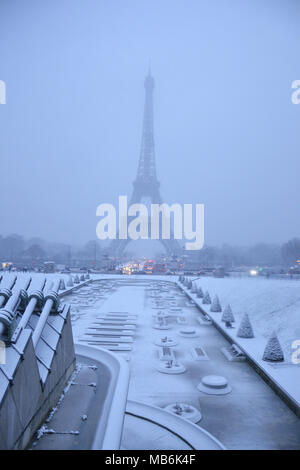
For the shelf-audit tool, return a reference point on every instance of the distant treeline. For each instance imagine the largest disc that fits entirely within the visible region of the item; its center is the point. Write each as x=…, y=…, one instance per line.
x=15, y=248
x=261, y=254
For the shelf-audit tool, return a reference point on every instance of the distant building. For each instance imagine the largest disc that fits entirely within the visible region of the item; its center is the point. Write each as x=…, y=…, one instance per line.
x=49, y=267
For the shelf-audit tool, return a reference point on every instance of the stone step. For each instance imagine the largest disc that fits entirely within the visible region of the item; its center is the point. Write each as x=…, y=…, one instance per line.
x=116, y=321
x=108, y=339
x=115, y=317
x=110, y=332
x=114, y=326
x=110, y=347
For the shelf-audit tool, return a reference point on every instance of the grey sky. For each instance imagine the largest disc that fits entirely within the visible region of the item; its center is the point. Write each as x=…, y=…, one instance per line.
x=226, y=132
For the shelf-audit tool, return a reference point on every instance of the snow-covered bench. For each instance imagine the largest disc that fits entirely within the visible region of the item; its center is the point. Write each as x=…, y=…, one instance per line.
x=233, y=353
x=204, y=320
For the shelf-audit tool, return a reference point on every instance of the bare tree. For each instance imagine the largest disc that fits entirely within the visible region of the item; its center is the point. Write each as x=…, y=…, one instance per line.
x=291, y=251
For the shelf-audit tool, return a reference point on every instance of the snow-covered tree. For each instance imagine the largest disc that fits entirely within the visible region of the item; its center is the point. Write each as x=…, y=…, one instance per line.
x=273, y=351
x=216, y=306
x=76, y=279
x=245, y=330
x=194, y=288
x=62, y=285
x=228, y=315
x=190, y=284
x=82, y=277
x=87, y=276
x=206, y=298
x=70, y=282
x=200, y=293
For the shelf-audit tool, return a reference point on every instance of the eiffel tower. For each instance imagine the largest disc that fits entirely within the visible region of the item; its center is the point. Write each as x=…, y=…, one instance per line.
x=146, y=184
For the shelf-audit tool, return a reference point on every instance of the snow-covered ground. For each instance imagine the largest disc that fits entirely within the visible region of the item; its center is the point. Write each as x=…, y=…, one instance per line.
x=251, y=416
x=272, y=305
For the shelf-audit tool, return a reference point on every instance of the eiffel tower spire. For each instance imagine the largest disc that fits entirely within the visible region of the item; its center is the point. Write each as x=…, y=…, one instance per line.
x=146, y=166
x=146, y=183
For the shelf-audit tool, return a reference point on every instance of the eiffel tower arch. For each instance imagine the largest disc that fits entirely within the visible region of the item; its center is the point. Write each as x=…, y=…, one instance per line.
x=146, y=184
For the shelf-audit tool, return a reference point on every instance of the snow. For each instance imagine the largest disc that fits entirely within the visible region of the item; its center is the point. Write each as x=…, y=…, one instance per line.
x=251, y=399
x=272, y=305
x=214, y=385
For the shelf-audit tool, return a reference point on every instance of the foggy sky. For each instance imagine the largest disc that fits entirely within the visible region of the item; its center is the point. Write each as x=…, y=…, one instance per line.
x=226, y=132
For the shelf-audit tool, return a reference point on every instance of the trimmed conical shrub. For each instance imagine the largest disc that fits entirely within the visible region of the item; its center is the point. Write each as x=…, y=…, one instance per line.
x=62, y=285
x=200, y=293
x=76, y=279
x=228, y=315
x=87, y=276
x=273, y=351
x=245, y=330
x=82, y=277
x=216, y=306
x=206, y=298
x=70, y=282
x=190, y=284
x=194, y=288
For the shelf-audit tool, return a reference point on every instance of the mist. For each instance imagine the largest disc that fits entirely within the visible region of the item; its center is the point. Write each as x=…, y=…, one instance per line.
x=226, y=131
